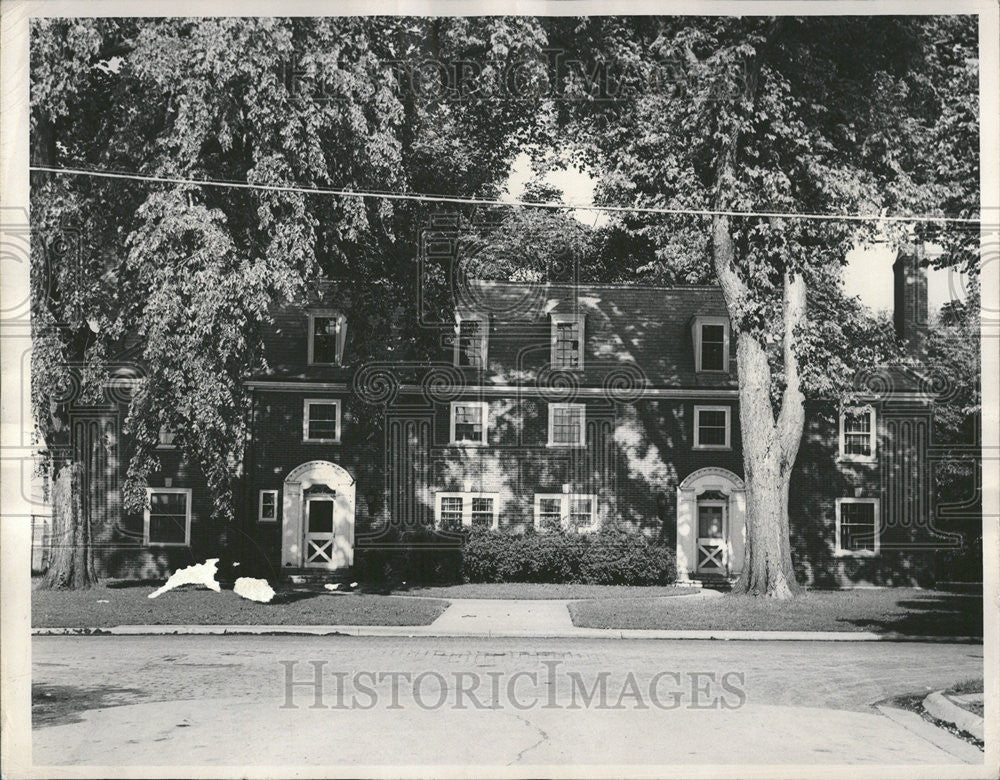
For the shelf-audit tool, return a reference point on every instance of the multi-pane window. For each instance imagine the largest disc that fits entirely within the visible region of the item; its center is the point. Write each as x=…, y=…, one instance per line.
x=711, y=343
x=857, y=434
x=469, y=421
x=711, y=427
x=553, y=510
x=567, y=341
x=455, y=510
x=167, y=517
x=549, y=514
x=268, y=509
x=857, y=526
x=482, y=511
x=321, y=420
x=566, y=425
x=471, y=347
x=450, y=512
x=581, y=512
x=327, y=334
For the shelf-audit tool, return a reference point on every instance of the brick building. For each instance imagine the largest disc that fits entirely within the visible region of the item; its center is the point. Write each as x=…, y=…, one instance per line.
x=581, y=405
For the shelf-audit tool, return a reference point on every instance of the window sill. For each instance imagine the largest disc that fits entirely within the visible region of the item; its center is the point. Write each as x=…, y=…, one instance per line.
x=267, y=521
x=166, y=544
x=854, y=554
x=712, y=447
x=468, y=444
x=857, y=459
x=558, y=446
x=321, y=441
x=338, y=364
x=711, y=371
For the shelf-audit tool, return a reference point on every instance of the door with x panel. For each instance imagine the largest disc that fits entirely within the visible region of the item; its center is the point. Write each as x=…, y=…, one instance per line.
x=712, y=557
x=320, y=533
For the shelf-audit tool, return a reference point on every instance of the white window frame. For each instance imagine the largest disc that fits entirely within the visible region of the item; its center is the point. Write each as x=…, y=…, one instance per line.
x=485, y=406
x=260, y=507
x=556, y=319
x=341, y=336
x=697, y=336
x=187, y=519
x=306, y=404
x=467, y=507
x=564, y=507
x=164, y=431
x=838, y=550
x=872, y=434
x=484, y=322
x=552, y=424
x=698, y=409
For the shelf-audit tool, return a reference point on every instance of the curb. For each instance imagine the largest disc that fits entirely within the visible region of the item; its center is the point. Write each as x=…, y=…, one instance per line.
x=571, y=633
x=959, y=748
x=938, y=705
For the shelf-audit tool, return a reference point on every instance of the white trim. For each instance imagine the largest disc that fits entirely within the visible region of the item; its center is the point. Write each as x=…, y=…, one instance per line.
x=564, y=510
x=260, y=507
x=872, y=435
x=467, y=507
x=553, y=408
x=341, y=335
x=484, y=322
x=698, y=409
x=838, y=550
x=308, y=402
x=485, y=407
x=187, y=518
x=556, y=319
x=697, y=335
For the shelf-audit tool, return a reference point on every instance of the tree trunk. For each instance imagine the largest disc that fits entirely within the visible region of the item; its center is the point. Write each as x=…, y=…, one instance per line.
x=767, y=565
x=71, y=565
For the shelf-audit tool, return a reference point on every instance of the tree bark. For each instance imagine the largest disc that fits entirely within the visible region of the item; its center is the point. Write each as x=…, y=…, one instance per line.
x=72, y=559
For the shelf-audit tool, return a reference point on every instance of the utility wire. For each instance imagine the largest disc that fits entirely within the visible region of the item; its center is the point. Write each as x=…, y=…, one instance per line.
x=488, y=202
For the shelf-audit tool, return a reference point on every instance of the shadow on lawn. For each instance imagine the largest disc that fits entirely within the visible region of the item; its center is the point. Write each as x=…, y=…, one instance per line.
x=938, y=615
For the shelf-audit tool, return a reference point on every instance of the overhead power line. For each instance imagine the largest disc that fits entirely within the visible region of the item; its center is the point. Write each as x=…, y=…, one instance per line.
x=427, y=198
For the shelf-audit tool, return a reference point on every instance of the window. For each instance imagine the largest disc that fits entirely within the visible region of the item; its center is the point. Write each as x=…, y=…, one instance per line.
x=566, y=425
x=858, y=434
x=857, y=526
x=471, y=341
x=327, y=335
x=711, y=427
x=455, y=510
x=268, y=507
x=711, y=344
x=321, y=420
x=167, y=438
x=469, y=422
x=567, y=341
x=167, y=521
x=578, y=512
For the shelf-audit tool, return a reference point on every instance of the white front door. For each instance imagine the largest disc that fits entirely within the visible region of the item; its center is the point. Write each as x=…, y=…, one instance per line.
x=712, y=537
x=320, y=533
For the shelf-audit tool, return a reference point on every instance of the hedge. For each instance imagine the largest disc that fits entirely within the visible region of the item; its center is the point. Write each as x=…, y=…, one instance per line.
x=609, y=557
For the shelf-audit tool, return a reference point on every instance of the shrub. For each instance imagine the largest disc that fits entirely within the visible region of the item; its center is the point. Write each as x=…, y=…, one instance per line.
x=414, y=554
x=610, y=557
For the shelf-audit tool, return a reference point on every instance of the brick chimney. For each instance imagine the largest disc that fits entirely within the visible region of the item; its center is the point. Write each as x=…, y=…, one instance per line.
x=910, y=299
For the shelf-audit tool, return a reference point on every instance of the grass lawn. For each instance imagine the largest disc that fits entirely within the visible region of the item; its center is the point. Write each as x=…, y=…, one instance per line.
x=532, y=590
x=113, y=606
x=903, y=610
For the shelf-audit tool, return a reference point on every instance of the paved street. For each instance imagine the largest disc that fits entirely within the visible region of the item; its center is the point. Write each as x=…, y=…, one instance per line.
x=392, y=701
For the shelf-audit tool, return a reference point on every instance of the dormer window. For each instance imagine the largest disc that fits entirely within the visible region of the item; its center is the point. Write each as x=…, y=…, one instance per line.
x=711, y=344
x=567, y=341
x=471, y=340
x=327, y=336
